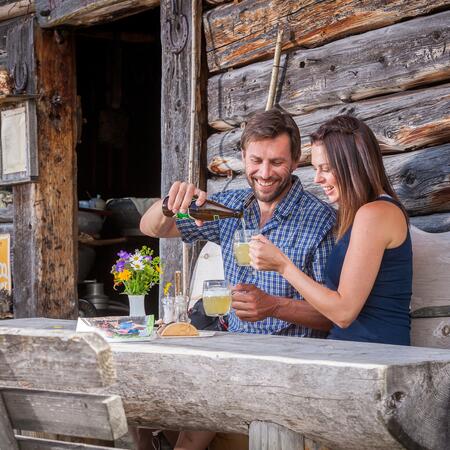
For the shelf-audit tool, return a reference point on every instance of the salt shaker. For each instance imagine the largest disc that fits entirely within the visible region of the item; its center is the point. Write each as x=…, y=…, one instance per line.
x=181, y=305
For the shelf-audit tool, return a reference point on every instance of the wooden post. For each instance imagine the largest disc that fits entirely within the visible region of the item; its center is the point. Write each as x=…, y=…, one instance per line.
x=176, y=41
x=45, y=212
x=268, y=436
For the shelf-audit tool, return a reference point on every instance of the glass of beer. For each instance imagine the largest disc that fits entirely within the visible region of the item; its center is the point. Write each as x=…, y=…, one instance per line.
x=216, y=297
x=241, y=246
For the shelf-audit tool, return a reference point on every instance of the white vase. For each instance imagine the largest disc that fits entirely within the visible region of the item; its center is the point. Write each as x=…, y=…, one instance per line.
x=137, y=305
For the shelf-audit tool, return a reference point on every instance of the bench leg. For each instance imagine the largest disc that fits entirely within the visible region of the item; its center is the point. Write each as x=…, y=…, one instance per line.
x=270, y=436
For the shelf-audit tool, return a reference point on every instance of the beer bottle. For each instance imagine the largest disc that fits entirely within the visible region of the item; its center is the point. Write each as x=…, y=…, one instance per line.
x=210, y=210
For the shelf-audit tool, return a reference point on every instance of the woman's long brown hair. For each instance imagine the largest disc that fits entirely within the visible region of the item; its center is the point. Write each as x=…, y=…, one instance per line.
x=354, y=156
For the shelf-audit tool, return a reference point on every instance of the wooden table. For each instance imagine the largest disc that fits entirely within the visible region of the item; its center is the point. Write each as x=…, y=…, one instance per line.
x=346, y=395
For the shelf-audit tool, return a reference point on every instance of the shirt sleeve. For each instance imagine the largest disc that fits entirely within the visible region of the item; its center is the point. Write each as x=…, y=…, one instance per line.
x=316, y=268
x=190, y=232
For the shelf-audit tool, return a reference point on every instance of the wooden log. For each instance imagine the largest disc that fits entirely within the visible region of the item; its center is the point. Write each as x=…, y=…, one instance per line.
x=52, y=13
x=176, y=114
x=392, y=59
x=45, y=213
x=92, y=365
x=433, y=223
x=348, y=395
x=239, y=33
x=401, y=122
x=10, y=9
x=420, y=178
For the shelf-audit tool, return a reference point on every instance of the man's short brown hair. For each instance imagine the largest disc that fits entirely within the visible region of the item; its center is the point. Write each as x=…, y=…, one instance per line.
x=269, y=125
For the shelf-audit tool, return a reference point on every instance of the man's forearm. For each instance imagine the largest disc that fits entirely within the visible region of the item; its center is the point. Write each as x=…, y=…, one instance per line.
x=300, y=312
x=154, y=223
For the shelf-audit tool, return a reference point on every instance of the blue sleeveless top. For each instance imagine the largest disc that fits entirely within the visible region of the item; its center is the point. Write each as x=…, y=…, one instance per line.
x=385, y=315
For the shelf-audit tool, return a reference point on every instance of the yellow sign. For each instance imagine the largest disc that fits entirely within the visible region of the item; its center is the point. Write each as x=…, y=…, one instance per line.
x=5, y=262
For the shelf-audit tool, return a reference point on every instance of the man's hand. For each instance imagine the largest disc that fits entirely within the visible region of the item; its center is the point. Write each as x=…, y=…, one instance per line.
x=181, y=195
x=251, y=303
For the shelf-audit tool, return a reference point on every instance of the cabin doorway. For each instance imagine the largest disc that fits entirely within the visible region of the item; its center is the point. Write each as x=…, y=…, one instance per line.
x=118, y=149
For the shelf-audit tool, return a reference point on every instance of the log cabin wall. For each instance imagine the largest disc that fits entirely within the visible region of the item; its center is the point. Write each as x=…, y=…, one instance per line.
x=388, y=63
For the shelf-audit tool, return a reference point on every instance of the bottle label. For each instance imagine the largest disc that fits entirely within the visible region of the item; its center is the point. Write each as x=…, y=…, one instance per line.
x=183, y=215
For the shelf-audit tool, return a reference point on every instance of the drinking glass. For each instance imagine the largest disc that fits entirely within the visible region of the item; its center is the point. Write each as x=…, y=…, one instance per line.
x=216, y=297
x=241, y=245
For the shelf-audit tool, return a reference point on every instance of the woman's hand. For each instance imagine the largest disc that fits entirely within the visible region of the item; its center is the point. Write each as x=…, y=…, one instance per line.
x=266, y=256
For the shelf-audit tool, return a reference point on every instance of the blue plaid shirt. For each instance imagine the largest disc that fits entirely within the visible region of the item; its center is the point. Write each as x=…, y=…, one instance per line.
x=301, y=226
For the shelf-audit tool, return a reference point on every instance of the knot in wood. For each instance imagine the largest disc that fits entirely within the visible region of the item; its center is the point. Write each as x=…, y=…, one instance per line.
x=395, y=399
x=409, y=177
x=446, y=330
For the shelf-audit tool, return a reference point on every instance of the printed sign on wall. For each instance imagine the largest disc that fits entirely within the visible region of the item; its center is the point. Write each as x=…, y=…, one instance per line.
x=5, y=262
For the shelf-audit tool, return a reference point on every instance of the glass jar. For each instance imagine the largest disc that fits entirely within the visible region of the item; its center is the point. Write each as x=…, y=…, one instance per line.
x=168, y=305
x=181, y=307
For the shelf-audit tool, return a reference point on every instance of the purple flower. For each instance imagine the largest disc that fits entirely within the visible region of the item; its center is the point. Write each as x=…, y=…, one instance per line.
x=120, y=266
x=148, y=258
x=123, y=254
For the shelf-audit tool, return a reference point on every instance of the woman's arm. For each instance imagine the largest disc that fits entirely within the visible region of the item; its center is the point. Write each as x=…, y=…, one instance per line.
x=375, y=226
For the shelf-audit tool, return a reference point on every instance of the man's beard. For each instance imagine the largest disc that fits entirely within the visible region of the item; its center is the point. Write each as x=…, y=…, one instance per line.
x=270, y=197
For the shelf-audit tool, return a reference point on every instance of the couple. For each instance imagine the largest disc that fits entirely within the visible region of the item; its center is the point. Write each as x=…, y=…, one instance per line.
x=358, y=288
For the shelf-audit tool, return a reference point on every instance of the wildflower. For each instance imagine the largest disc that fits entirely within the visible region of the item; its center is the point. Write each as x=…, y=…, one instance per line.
x=125, y=275
x=137, y=265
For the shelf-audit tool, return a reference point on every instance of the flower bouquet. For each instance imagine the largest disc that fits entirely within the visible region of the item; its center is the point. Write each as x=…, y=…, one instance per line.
x=137, y=272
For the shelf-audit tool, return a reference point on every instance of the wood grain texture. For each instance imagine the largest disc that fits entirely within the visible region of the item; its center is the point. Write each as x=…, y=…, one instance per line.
x=69, y=414
x=11, y=9
x=268, y=436
x=27, y=443
x=431, y=332
x=431, y=269
x=45, y=213
x=242, y=32
x=399, y=57
x=54, y=359
x=433, y=223
x=7, y=439
x=175, y=114
x=420, y=178
x=401, y=122
x=52, y=13
x=348, y=395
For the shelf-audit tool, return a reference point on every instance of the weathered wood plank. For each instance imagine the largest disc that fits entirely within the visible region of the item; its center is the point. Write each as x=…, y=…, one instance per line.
x=346, y=394
x=401, y=122
x=52, y=13
x=420, y=179
x=11, y=9
x=28, y=443
x=239, y=33
x=79, y=414
x=268, y=436
x=78, y=362
x=433, y=223
x=7, y=439
x=176, y=39
x=392, y=59
x=45, y=213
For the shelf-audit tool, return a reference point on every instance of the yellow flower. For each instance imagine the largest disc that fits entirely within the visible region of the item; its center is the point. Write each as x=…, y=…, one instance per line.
x=125, y=275
x=158, y=269
x=166, y=288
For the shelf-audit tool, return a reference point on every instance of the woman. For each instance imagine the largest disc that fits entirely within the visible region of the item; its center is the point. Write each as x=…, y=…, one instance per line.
x=368, y=283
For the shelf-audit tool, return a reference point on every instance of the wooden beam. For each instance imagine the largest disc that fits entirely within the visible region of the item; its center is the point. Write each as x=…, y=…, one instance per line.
x=399, y=57
x=401, y=122
x=52, y=13
x=45, y=213
x=176, y=113
x=420, y=179
x=240, y=33
x=268, y=436
x=433, y=223
x=11, y=9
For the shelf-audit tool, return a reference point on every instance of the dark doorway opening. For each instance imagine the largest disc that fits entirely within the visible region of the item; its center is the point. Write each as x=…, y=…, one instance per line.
x=119, y=147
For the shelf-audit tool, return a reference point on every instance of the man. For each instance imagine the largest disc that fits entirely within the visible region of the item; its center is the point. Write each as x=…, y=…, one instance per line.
x=276, y=204
x=294, y=220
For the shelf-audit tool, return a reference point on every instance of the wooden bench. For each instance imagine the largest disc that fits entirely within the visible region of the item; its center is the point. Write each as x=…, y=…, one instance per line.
x=69, y=414
x=44, y=361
